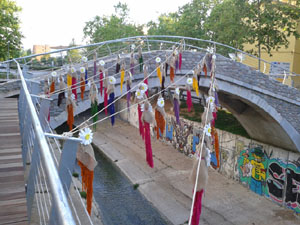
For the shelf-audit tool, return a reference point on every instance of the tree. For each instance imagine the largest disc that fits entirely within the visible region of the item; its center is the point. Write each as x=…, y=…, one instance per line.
x=10, y=35
x=74, y=55
x=111, y=27
x=225, y=24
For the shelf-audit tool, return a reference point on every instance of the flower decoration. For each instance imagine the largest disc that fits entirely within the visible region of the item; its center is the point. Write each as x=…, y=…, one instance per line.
x=158, y=60
x=139, y=94
x=207, y=130
x=177, y=90
x=189, y=81
x=82, y=69
x=84, y=59
x=132, y=46
x=214, y=56
x=54, y=74
x=72, y=96
x=73, y=70
x=161, y=102
x=112, y=80
x=210, y=99
x=102, y=63
x=143, y=87
x=210, y=50
x=176, y=52
x=86, y=136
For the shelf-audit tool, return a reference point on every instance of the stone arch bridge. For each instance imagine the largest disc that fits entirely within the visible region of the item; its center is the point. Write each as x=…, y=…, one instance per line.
x=267, y=109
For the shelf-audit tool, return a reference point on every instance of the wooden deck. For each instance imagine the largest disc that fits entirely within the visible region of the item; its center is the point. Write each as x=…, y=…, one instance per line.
x=13, y=209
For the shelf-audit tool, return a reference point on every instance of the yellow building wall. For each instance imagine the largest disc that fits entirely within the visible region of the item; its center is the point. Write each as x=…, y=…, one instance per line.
x=290, y=55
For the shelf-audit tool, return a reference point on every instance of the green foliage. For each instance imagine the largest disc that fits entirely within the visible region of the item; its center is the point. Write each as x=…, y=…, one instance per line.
x=226, y=121
x=225, y=24
x=74, y=55
x=135, y=186
x=270, y=23
x=83, y=194
x=111, y=27
x=10, y=35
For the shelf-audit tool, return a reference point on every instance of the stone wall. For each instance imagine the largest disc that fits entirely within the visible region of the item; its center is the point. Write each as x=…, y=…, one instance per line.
x=266, y=170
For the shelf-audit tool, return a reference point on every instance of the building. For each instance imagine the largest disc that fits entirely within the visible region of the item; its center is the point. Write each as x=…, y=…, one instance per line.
x=38, y=49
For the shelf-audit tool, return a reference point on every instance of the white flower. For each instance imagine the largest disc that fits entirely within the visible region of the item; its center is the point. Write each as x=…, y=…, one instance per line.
x=86, y=136
x=210, y=99
x=143, y=87
x=176, y=52
x=102, y=63
x=84, y=59
x=132, y=46
x=207, y=130
x=82, y=69
x=210, y=50
x=189, y=81
x=54, y=74
x=73, y=70
x=214, y=56
x=72, y=96
x=158, y=60
x=139, y=94
x=161, y=102
x=177, y=90
x=112, y=80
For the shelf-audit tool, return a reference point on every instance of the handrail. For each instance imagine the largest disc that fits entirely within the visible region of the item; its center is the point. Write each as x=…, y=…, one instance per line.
x=60, y=201
x=147, y=38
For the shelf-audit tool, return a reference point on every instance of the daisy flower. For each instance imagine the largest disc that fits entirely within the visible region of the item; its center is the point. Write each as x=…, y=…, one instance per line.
x=86, y=136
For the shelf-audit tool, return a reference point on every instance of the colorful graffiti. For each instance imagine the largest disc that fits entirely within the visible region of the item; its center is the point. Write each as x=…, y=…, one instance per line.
x=252, y=165
x=292, y=197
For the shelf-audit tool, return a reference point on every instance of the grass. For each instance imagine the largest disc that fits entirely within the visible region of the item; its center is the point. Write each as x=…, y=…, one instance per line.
x=75, y=174
x=225, y=120
x=135, y=186
x=83, y=194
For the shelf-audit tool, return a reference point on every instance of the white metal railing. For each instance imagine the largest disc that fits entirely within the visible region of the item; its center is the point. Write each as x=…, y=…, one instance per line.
x=47, y=185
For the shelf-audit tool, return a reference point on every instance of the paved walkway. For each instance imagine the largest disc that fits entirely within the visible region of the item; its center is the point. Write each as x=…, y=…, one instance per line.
x=167, y=185
x=13, y=209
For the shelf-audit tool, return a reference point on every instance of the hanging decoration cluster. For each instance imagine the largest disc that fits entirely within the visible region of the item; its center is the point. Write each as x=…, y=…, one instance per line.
x=209, y=139
x=87, y=162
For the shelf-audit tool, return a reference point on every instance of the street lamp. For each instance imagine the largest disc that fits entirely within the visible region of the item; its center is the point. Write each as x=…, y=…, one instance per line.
x=7, y=75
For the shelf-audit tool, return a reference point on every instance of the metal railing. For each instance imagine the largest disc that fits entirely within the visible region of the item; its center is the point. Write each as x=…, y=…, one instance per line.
x=47, y=182
x=223, y=49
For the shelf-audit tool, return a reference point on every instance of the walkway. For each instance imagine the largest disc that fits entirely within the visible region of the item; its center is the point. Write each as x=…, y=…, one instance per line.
x=13, y=209
x=167, y=185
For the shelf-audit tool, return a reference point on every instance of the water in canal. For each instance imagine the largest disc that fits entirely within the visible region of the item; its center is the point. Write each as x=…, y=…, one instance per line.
x=119, y=202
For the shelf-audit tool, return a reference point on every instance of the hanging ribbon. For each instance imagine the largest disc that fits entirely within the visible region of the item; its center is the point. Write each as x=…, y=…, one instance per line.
x=146, y=78
x=131, y=64
x=160, y=117
x=140, y=96
x=70, y=110
x=189, y=101
x=94, y=103
x=147, y=118
x=180, y=60
x=101, y=82
x=112, y=107
x=158, y=60
x=82, y=82
x=111, y=94
x=52, y=86
x=195, y=84
x=69, y=80
x=87, y=162
x=128, y=95
x=216, y=145
x=176, y=105
x=86, y=75
x=118, y=65
x=61, y=87
x=197, y=208
x=122, y=76
x=141, y=59
x=172, y=74
x=205, y=69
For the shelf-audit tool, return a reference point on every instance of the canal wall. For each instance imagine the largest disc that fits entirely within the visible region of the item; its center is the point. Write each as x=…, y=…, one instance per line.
x=268, y=171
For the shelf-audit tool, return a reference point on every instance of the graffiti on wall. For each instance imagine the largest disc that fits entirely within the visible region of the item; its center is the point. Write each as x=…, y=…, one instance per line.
x=292, y=197
x=252, y=166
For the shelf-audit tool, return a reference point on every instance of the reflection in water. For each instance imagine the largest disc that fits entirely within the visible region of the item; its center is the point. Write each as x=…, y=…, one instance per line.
x=118, y=201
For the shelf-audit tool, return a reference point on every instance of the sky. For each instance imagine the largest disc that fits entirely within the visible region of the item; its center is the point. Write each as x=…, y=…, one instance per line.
x=57, y=22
